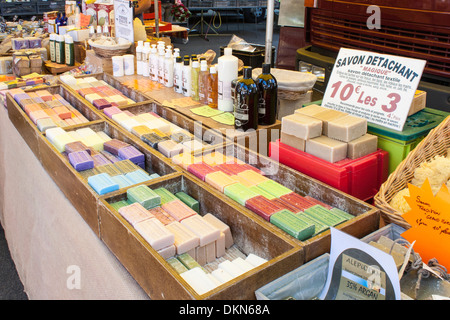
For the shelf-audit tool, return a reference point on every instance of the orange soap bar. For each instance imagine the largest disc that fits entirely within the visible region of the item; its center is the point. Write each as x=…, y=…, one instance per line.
x=178, y=210
x=219, y=180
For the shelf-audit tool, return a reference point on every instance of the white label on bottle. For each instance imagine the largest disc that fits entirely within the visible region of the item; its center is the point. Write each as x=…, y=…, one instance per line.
x=220, y=90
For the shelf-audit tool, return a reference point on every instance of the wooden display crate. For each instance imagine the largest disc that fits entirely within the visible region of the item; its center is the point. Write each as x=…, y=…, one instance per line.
x=28, y=130
x=366, y=220
x=160, y=281
x=75, y=187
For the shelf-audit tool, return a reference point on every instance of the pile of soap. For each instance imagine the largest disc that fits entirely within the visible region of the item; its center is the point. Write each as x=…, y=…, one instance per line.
x=47, y=110
x=299, y=216
x=328, y=134
x=157, y=132
x=107, y=164
x=190, y=242
x=97, y=92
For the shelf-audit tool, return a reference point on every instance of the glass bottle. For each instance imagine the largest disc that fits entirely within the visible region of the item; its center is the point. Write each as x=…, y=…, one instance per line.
x=246, y=102
x=268, y=99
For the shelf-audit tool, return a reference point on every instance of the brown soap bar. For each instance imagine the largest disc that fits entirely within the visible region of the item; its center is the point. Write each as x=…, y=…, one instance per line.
x=327, y=149
x=301, y=126
x=362, y=146
x=347, y=128
x=293, y=141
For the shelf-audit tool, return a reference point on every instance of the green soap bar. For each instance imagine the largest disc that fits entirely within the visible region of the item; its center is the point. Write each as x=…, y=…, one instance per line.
x=341, y=213
x=177, y=265
x=109, y=168
x=119, y=204
x=274, y=188
x=319, y=226
x=166, y=195
x=143, y=195
x=262, y=192
x=189, y=201
x=239, y=193
x=188, y=261
x=323, y=215
x=290, y=223
x=126, y=166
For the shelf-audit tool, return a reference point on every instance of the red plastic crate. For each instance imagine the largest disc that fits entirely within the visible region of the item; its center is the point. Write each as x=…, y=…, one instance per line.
x=361, y=178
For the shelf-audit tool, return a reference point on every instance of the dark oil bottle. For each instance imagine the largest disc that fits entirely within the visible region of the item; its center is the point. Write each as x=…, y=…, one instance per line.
x=268, y=96
x=246, y=102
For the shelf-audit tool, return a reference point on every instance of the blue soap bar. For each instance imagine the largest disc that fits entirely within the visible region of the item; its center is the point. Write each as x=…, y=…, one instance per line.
x=122, y=181
x=138, y=176
x=154, y=176
x=102, y=183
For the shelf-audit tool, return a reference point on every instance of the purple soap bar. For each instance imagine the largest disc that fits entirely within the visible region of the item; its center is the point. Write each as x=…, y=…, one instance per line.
x=101, y=104
x=81, y=160
x=109, y=111
x=77, y=146
x=100, y=160
x=21, y=96
x=132, y=154
x=113, y=146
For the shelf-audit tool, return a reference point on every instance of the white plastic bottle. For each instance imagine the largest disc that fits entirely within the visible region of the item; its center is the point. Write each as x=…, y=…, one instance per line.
x=186, y=78
x=178, y=75
x=168, y=69
x=153, y=59
x=161, y=59
x=227, y=71
x=145, y=59
x=139, y=49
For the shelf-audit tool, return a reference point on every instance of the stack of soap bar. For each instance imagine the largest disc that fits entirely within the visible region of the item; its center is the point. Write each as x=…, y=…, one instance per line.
x=189, y=201
x=347, y=128
x=274, y=188
x=154, y=232
x=293, y=141
x=262, y=207
x=301, y=126
x=185, y=239
x=143, y=195
x=135, y=213
x=362, y=146
x=239, y=193
x=161, y=215
x=327, y=149
x=311, y=110
x=81, y=160
x=225, y=240
x=178, y=210
x=292, y=225
x=327, y=116
x=219, y=180
x=102, y=183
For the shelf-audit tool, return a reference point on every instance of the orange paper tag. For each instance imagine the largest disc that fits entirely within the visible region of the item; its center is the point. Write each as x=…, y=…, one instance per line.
x=429, y=218
x=84, y=20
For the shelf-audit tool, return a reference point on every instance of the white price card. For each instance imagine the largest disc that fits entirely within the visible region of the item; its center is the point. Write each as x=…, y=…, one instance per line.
x=123, y=20
x=377, y=87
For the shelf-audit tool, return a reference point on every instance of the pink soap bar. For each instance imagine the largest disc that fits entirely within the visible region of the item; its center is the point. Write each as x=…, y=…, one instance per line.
x=38, y=114
x=185, y=239
x=76, y=146
x=178, y=210
x=200, y=170
x=135, y=213
x=111, y=110
x=162, y=215
x=231, y=168
x=114, y=145
x=202, y=228
x=154, y=232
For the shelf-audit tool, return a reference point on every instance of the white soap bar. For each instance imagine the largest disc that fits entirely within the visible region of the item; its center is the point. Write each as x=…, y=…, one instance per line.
x=158, y=124
x=202, y=228
x=92, y=96
x=75, y=135
x=223, y=227
x=192, y=146
x=214, y=279
x=167, y=252
x=53, y=132
x=347, y=128
x=119, y=117
x=146, y=117
x=153, y=231
x=128, y=124
x=255, y=260
x=85, y=132
x=139, y=119
x=185, y=239
x=241, y=263
x=222, y=275
x=328, y=149
x=231, y=268
x=103, y=135
x=220, y=245
x=301, y=126
x=198, y=280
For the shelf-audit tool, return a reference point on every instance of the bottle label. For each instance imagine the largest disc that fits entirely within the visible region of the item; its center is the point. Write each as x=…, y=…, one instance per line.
x=262, y=107
x=220, y=90
x=240, y=112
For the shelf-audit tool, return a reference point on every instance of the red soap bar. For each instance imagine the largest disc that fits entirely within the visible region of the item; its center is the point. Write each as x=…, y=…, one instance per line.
x=231, y=168
x=286, y=205
x=262, y=206
x=315, y=201
x=200, y=170
x=247, y=166
x=29, y=108
x=297, y=200
x=63, y=112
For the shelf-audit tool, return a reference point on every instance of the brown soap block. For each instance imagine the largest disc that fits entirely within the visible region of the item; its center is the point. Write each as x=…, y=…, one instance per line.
x=301, y=126
x=35, y=61
x=362, y=146
x=311, y=110
x=328, y=115
x=21, y=62
x=36, y=70
x=327, y=149
x=347, y=128
x=293, y=141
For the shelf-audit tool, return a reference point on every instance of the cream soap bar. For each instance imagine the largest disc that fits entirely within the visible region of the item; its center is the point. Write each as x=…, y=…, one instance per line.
x=223, y=227
x=327, y=116
x=301, y=126
x=362, y=146
x=135, y=213
x=202, y=228
x=347, y=128
x=185, y=239
x=178, y=210
x=198, y=280
x=311, y=110
x=327, y=149
x=293, y=141
x=219, y=180
x=154, y=232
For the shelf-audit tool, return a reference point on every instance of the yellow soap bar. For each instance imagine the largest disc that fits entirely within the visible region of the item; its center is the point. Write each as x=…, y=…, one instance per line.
x=219, y=180
x=252, y=176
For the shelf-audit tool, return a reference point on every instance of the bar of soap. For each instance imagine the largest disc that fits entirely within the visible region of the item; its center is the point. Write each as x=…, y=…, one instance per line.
x=101, y=103
x=274, y=188
x=317, y=201
x=131, y=153
x=188, y=261
x=161, y=215
x=99, y=159
x=262, y=207
x=135, y=213
x=181, y=136
x=241, y=263
x=166, y=195
x=154, y=232
x=293, y=141
x=198, y=280
x=291, y=224
x=110, y=111
x=192, y=146
x=232, y=269
x=311, y=110
x=327, y=116
x=202, y=228
x=167, y=252
x=143, y=195
x=252, y=176
x=76, y=146
x=177, y=265
x=81, y=160
x=323, y=215
x=119, y=204
x=153, y=139
x=301, y=126
x=255, y=260
x=138, y=176
x=60, y=141
x=122, y=181
x=170, y=148
x=93, y=141
x=85, y=132
x=262, y=192
x=178, y=210
x=219, y=180
x=102, y=183
x=159, y=125
x=239, y=193
x=362, y=146
x=347, y=128
x=185, y=239
x=188, y=200
x=286, y=205
x=125, y=166
x=297, y=200
x=327, y=149
x=200, y=170
x=318, y=225
x=342, y=213
x=222, y=275
x=231, y=168
x=114, y=145
x=223, y=227
x=45, y=123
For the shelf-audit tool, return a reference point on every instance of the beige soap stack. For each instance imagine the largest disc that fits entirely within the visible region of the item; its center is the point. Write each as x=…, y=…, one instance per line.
x=328, y=134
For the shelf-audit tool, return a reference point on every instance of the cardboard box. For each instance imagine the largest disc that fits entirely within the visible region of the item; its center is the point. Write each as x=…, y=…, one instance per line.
x=99, y=63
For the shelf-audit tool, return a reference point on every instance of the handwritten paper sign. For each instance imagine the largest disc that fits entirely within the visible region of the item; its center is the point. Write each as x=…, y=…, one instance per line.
x=430, y=222
x=377, y=87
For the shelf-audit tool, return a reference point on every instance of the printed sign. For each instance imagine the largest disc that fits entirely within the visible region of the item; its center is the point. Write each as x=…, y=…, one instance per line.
x=123, y=19
x=377, y=87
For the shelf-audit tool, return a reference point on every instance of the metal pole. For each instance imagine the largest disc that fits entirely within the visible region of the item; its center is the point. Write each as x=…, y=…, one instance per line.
x=269, y=30
x=156, y=18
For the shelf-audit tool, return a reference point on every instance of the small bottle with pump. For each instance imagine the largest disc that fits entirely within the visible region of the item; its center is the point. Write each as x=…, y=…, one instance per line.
x=212, y=88
x=186, y=77
x=178, y=75
x=203, y=82
x=195, y=71
x=168, y=69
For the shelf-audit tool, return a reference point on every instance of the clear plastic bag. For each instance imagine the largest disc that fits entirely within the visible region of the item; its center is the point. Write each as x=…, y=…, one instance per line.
x=237, y=43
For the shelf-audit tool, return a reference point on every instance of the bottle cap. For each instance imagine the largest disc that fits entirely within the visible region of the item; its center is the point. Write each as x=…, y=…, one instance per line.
x=247, y=72
x=228, y=51
x=266, y=68
x=195, y=64
x=140, y=43
x=186, y=62
x=68, y=39
x=179, y=59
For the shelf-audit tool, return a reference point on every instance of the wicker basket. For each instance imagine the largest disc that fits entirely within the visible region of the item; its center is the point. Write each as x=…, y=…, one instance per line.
x=435, y=143
x=111, y=51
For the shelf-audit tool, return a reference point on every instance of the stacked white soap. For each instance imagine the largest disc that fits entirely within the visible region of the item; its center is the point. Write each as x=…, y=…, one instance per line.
x=328, y=134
